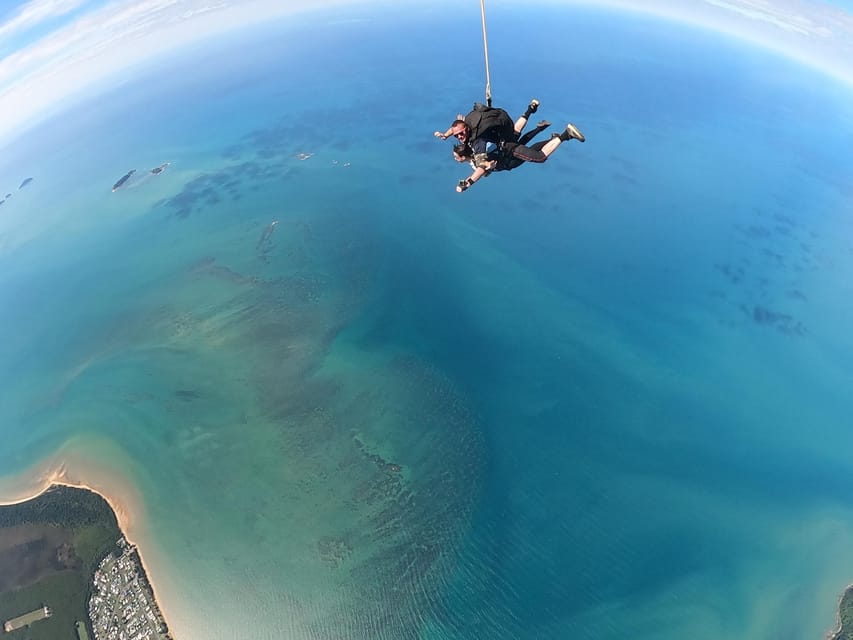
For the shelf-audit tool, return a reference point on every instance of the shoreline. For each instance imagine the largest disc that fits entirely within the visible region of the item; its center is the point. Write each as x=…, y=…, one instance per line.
x=832, y=635
x=122, y=497
x=59, y=477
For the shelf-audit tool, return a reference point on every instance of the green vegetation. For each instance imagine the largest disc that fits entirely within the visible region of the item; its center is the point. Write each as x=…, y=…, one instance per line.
x=95, y=541
x=66, y=589
x=60, y=505
x=49, y=549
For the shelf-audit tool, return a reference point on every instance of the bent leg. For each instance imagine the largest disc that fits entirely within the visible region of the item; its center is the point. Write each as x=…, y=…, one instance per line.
x=531, y=154
x=523, y=118
x=527, y=137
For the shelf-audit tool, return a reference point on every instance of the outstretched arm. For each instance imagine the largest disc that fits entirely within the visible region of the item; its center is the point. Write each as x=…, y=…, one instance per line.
x=479, y=172
x=449, y=131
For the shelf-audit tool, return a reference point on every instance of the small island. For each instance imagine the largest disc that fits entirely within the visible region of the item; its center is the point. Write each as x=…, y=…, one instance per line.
x=68, y=573
x=120, y=182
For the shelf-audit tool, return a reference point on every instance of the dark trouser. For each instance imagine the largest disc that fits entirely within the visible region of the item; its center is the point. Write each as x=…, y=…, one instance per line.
x=527, y=137
x=530, y=154
x=514, y=155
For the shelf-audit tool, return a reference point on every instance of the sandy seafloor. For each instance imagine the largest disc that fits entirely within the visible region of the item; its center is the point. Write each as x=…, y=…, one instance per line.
x=615, y=384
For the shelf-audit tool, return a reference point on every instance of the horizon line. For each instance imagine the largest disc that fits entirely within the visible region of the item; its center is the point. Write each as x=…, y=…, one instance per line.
x=41, y=77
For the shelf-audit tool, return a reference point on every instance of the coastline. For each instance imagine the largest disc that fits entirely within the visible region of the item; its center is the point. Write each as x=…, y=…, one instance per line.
x=839, y=627
x=61, y=477
x=111, y=485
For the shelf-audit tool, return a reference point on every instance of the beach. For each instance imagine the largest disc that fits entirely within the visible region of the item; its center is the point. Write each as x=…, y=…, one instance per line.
x=596, y=398
x=73, y=467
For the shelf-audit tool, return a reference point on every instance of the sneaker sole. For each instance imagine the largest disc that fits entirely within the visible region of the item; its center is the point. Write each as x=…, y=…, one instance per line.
x=575, y=133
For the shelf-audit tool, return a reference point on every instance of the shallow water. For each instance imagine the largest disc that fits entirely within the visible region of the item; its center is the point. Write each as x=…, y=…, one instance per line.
x=592, y=398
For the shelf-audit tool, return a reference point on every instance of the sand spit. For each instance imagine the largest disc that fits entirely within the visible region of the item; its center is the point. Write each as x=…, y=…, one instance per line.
x=70, y=467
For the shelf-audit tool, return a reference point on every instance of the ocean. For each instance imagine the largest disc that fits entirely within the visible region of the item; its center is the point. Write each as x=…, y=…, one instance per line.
x=598, y=398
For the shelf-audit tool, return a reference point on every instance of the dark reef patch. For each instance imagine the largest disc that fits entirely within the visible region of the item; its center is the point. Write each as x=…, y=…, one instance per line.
x=754, y=231
x=187, y=395
x=734, y=274
x=264, y=244
x=782, y=322
x=387, y=459
x=624, y=179
x=784, y=250
x=209, y=267
x=210, y=189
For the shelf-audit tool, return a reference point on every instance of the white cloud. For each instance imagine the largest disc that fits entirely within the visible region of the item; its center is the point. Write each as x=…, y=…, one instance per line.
x=812, y=32
x=36, y=12
x=70, y=60
x=763, y=12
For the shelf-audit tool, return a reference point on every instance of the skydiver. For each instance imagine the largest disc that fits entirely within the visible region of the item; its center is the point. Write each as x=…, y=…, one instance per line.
x=484, y=125
x=510, y=155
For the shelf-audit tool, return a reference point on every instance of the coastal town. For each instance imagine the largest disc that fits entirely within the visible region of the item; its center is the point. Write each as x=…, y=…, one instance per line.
x=122, y=606
x=67, y=572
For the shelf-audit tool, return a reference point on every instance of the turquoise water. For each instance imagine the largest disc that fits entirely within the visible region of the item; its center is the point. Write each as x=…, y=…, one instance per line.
x=614, y=384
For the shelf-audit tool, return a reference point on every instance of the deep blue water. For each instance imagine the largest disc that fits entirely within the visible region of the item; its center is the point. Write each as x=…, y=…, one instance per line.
x=614, y=382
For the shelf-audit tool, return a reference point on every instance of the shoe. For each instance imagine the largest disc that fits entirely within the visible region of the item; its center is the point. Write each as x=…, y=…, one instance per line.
x=574, y=132
x=533, y=106
x=543, y=124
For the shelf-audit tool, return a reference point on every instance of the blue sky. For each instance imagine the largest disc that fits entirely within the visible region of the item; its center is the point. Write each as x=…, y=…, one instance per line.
x=51, y=50
x=25, y=27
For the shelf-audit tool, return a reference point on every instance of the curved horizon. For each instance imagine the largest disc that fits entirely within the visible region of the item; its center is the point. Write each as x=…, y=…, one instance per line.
x=55, y=50
x=599, y=399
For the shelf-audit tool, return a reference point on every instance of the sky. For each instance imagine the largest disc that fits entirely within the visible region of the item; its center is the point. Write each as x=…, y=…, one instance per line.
x=53, y=50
